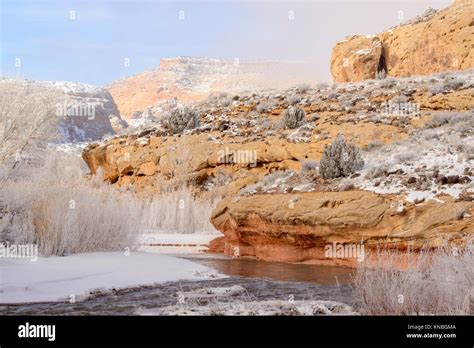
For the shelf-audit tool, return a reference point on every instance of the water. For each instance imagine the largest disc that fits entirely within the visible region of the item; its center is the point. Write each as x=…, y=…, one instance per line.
x=262, y=280
x=241, y=267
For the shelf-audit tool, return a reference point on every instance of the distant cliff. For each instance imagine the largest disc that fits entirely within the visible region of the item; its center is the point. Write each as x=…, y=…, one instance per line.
x=83, y=112
x=190, y=79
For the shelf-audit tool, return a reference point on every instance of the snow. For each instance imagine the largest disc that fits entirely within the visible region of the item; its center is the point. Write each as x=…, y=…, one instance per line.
x=420, y=153
x=213, y=292
x=175, y=243
x=363, y=51
x=79, y=275
x=270, y=307
x=70, y=148
x=416, y=195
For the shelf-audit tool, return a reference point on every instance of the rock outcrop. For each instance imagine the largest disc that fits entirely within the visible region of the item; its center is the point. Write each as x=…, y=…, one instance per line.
x=434, y=42
x=298, y=227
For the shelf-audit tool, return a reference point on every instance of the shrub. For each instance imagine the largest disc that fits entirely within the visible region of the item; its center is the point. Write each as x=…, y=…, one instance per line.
x=309, y=166
x=405, y=157
x=181, y=118
x=293, y=117
x=381, y=74
x=340, y=159
x=399, y=99
x=303, y=88
x=293, y=99
x=438, y=120
x=377, y=171
x=453, y=84
x=321, y=86
x=435, y=283
x=443, y=118
x=388, y=82
x=436, y=89
x=265, y=107
x=374, y=144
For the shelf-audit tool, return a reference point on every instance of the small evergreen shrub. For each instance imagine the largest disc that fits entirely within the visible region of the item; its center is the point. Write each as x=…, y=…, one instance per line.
x=293, y=117
x=340, y=159
x=180, y=119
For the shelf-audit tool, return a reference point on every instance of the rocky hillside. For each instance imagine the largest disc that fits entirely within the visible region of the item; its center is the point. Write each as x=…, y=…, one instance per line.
x=84, y=112
x=433, y=42
x=187, y=79
x=410, y=184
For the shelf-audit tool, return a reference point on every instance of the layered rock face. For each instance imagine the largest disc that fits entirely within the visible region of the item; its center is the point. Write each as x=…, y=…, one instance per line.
x=187, y=79
x=299, y=227
x=434, y=42
x=84, y=112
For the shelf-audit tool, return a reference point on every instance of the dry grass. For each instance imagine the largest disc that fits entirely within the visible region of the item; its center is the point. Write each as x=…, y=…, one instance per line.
x=56, y=207
x=178, y=211
x=437, y=283
x=65, y=213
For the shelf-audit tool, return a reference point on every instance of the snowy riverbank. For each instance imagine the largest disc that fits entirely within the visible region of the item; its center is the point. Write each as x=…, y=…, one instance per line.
x=75, y=277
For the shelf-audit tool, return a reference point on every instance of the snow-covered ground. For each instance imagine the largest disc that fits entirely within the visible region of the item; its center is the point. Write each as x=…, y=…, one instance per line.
x=175, y=243
x=75, y=277
x=271, y=307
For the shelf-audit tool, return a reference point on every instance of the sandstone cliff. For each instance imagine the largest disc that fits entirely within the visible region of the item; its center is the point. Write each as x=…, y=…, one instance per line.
x=297, y=227
x=434, y=42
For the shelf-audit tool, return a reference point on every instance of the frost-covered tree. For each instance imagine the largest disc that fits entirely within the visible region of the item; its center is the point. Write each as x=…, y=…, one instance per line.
x=28, y=119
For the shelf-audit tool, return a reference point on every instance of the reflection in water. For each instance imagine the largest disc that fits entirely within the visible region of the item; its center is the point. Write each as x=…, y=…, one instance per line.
x=323, y=275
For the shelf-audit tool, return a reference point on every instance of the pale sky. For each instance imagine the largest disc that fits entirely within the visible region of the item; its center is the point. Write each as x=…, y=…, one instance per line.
x=92, y=40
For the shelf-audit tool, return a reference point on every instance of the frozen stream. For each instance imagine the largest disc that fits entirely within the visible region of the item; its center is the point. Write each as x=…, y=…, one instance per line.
x=262, y=281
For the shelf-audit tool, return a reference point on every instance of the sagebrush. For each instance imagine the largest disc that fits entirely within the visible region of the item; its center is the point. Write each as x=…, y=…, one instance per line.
x=293, y=117
x=180, y=119
x=340, y=159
